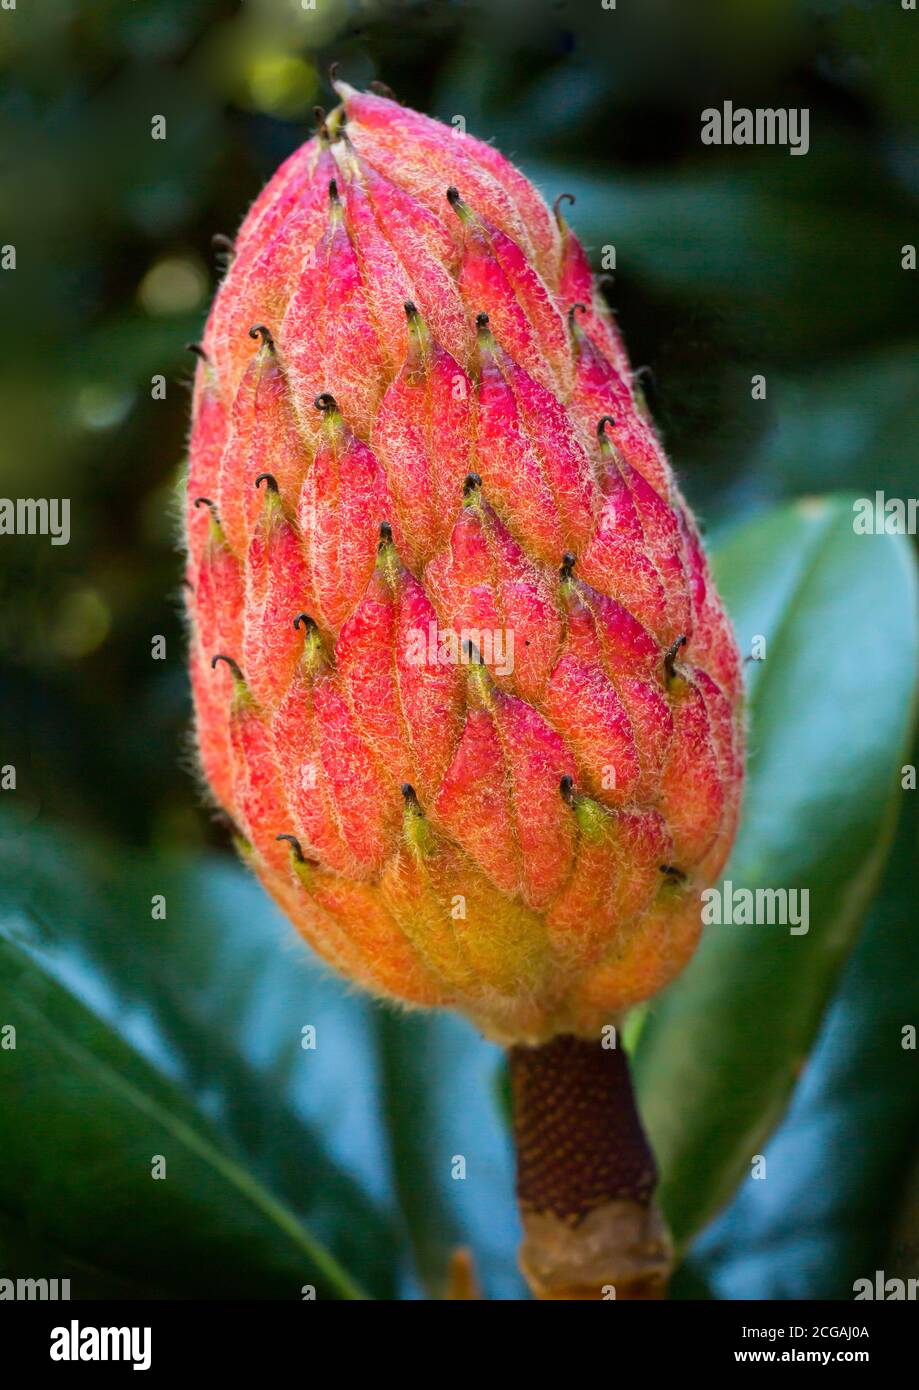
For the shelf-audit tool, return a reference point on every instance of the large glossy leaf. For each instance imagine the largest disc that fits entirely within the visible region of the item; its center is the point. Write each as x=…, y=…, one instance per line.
x=838, y=1167
x=830, y=709
x=137, y=1037
x=183, y=1037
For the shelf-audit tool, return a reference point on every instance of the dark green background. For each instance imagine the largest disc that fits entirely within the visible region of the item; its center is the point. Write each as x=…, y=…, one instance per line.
x=730, y=262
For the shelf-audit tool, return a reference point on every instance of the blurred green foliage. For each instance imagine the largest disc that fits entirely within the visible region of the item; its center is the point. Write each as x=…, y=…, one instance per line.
x=730, y=262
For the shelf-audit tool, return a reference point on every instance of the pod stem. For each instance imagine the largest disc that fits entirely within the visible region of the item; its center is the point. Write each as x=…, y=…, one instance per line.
x=585, y=1175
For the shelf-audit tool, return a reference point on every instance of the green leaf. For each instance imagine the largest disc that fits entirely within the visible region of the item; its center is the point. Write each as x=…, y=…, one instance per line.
x=377, y=1152
x=451, y=1149
x=137, y=1037
x=830, y=714
x=800, y=1235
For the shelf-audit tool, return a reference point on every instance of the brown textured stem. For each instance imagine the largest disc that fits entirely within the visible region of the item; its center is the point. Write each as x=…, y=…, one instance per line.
x=585, y=1175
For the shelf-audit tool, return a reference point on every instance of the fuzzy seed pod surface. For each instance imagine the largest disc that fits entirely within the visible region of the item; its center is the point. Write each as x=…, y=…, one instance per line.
x=461, y=678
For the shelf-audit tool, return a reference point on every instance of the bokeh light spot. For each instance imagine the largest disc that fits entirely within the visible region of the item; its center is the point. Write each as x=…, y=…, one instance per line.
x=281, y=84
x=174, y=285
x=82, y=623
x=101, y=406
